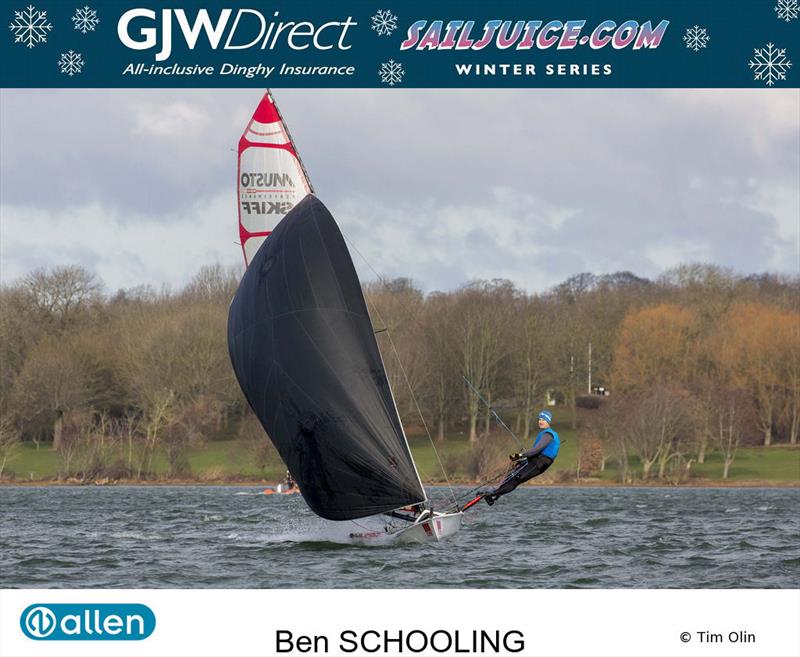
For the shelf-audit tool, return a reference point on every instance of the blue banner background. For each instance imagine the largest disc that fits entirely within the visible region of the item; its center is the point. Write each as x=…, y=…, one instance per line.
x=734, y=30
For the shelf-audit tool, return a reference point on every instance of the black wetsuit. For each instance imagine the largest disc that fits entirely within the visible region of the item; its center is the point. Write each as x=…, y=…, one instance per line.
x=534, y=463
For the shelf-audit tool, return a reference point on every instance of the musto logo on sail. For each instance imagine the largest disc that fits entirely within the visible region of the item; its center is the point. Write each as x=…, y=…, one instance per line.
x=87, y=622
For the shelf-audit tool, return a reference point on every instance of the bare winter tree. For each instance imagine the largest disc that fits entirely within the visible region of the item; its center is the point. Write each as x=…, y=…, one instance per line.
x=51, y=383
x=442, y=379
x=732, y=416
x=214, y=283
x=790, y=338
x=531, y=359
x=9, y=439
x=660, y=425
x=20, y=330
x=756, y=352
x=708, y=290
x=396, y=308
x=62, y=294
x=157, y=362
x=481, y=312
x=572, y=305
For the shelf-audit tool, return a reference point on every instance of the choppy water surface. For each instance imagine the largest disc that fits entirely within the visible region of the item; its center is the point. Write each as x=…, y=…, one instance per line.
x=536, y=537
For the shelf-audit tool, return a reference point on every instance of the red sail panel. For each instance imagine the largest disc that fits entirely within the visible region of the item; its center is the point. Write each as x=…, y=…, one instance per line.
x=271, y=178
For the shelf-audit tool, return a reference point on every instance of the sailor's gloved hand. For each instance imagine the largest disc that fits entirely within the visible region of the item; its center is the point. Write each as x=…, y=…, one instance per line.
x=516, y=456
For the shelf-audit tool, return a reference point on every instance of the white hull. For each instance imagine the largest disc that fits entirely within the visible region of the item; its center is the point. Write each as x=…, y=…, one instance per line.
x=431, y=529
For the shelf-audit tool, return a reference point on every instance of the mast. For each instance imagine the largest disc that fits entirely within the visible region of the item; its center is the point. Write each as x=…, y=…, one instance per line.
x=291, y=141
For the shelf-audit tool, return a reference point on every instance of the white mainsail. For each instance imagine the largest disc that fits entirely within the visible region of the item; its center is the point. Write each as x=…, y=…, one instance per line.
x=271, y=177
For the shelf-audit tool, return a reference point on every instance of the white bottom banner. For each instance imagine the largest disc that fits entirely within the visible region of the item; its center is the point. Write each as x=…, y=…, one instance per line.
x=234, y=623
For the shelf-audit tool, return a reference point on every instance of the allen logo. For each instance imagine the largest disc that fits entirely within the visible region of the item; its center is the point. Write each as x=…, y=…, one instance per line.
x=39, y=622
x=87, y=622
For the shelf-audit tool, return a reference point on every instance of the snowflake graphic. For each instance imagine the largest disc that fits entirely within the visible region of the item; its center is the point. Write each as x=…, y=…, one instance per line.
x=696, y=38
x=71, y=63
x=391, y=72
x=787, y=10
x=769, y=64
x=85, y=19
x=30, y=26
x=384, y=22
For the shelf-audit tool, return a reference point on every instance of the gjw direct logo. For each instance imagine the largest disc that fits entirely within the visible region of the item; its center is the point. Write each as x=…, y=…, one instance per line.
x=87, y=622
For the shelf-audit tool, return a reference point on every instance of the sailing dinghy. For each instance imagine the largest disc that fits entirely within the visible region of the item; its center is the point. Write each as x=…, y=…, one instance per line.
x=304, y=352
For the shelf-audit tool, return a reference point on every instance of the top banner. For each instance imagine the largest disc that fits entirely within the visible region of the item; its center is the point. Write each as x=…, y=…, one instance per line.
x=400, y=43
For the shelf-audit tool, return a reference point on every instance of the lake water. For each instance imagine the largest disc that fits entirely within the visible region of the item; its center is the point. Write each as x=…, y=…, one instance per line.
x=233, y=537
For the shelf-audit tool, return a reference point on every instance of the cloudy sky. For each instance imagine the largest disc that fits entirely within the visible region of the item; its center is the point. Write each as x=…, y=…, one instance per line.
x=443, y=186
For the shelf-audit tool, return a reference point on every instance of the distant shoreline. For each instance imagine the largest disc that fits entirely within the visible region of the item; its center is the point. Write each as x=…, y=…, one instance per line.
x=587, y=483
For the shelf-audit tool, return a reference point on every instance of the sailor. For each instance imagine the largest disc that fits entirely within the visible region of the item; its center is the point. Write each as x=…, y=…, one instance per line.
x=530, y=463
x=288, y=482
x=411, y=512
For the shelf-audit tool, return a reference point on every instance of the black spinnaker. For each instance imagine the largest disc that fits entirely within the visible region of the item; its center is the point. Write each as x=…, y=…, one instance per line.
x=304, y=352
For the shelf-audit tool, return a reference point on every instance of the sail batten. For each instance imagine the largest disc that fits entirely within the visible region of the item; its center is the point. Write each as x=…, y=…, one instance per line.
x=304, y=352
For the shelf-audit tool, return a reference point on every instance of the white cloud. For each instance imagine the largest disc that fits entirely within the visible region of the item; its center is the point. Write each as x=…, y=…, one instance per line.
x=759, y=118
x=442, y=246
x=441, y=185
x=668, y=255
x=124, y=250
x=173, y=120
x=783, y=203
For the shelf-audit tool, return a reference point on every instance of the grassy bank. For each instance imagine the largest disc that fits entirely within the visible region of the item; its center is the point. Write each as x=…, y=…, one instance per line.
x=232, y=460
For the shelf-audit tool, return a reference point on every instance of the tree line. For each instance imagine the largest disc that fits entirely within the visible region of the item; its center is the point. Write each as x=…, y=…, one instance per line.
x=696, y=360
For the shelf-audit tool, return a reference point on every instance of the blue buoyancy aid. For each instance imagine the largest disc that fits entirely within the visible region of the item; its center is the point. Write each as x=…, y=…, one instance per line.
x=551, y=450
